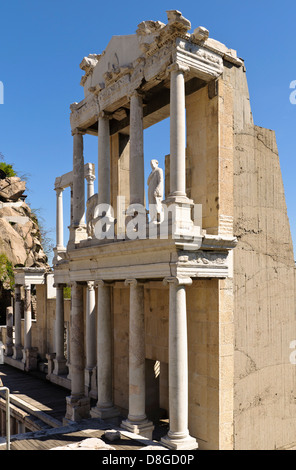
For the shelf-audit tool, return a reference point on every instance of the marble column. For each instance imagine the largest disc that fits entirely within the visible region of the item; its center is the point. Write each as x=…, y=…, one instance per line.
x=178, y=437
x=104, y=194
x=27, y=317
x=59, y=220
x=137, y=421
x=9, y=331
x=78, y=405
x=104, y=408
x=78, y=228
x=60, y=367
x=177, y=133
x=29, y=353
x=17, y=348
x=137, y=185
x=91, y=347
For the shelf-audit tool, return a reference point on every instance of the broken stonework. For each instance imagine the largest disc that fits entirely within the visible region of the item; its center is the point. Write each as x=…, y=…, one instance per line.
x=91, y=443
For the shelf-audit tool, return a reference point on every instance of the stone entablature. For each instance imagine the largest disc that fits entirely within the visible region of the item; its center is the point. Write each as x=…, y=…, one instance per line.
x=111, y=77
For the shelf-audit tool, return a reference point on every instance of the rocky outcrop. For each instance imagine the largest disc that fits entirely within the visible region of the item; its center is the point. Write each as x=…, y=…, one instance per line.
x=20, y=237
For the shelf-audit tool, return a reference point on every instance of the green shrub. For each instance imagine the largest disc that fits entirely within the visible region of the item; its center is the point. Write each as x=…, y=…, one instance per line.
x=8, y=169
x=6, y=272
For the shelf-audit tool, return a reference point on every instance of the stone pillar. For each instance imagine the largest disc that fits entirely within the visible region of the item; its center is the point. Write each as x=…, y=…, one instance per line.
x=104, y=408
x=78, y=228
x=77, y=404
x=177, y=133
x=178, y=437
x=9, y=331
x=29, y=353
x=60, y=367
x=59, y=220
x=27, y=317
x=137, y=188
x=91, y=347
x=104, y=194
x=137, y=421
x=17, y=348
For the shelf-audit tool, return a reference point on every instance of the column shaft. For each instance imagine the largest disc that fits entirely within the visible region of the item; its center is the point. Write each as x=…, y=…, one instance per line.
x=9, y=331
x=91, y=357
x=137, y=421
x=78, y=180
x=17, y=320
x=136, y=354
x=104, y=351
x=77, y=341
x=137, y=190
x=78, y=405
x=59, y=219
x=177, y=133
x=104, y=160
x=178, y=436
x=27, y=318
x=104, y=408
x=59, y=322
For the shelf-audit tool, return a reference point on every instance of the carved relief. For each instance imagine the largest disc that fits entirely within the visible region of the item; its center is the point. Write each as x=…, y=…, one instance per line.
x=203, y=258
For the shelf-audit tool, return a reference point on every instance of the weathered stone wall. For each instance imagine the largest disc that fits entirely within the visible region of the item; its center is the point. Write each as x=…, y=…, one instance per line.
x=264, y=290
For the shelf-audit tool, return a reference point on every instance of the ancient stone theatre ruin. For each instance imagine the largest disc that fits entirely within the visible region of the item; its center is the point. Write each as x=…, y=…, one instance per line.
x=194, y=326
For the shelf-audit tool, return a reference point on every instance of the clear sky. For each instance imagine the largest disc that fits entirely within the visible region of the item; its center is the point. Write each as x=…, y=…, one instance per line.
x=43, y=42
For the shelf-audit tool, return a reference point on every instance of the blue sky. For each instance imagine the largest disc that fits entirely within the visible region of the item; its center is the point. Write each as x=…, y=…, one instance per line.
x=43, y=42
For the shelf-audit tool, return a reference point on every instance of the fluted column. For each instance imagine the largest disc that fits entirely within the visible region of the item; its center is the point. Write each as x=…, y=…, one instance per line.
x=17, y=348
x=104, y=408
x=137, y=421
x=60, y=367
x=90, y=325
x=77, y=404
x=178, y=436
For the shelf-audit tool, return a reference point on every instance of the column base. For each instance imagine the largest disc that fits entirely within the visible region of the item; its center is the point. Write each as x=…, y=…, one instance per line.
x=17, y=352
x=144, y=428
x=77, y=409
x=187, y=443
x=104, y=413
x=60, y=367
x=180, y=224
x=30, y=358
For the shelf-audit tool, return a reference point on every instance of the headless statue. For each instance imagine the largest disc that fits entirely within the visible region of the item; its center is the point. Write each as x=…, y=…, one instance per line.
x=155, y=191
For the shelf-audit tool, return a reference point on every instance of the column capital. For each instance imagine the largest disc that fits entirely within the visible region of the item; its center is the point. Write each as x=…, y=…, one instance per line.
x=134, y=282
x=59, y=190
x=178, y=67
x=136, y=93
x=59, y=285
x=78, y=131
x=27, y=287
x=104, y=115
x=178, y=281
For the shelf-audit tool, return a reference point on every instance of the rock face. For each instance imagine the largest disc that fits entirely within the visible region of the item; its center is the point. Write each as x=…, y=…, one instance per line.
x=11, y=189
x=20, y=237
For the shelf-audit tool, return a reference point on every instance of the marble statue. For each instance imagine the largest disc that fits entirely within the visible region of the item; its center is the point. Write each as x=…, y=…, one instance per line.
x=155, y=191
